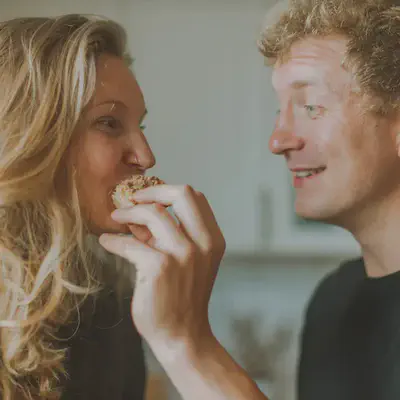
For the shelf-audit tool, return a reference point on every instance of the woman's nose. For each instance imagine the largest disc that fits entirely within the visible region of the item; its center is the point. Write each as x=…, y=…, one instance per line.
x=141, y=153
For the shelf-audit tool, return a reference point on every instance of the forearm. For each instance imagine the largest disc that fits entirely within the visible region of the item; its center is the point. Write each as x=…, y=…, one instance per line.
x=208, y=373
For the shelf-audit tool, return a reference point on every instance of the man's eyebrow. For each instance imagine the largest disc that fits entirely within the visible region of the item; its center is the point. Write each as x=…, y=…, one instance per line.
x=301, y=84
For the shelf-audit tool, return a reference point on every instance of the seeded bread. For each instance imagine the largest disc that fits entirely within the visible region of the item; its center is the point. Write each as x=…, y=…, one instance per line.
x=122, y=195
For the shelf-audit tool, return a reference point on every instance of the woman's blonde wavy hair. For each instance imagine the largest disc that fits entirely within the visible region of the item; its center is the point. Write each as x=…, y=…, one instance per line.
x=47, y=77
x=373, y=52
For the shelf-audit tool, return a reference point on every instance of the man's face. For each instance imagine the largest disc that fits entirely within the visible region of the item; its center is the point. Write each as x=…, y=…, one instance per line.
x=322, y=127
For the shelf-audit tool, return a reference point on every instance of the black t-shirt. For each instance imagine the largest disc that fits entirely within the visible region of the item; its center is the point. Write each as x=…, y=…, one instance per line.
x=105, y=360
x=350, y=348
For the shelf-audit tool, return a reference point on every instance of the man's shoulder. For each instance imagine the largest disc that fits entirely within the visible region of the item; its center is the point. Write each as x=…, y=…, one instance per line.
x=338, y=285
x=349, y=271
x=347, y=274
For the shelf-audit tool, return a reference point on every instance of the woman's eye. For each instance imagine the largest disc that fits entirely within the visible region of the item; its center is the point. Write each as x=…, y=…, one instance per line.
x=142, y=127
x=109, y=124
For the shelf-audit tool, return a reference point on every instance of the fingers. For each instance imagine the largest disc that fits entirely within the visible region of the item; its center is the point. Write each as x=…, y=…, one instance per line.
x=190, y=207
x=141, y=233
x=146, y=259
x=166, y=233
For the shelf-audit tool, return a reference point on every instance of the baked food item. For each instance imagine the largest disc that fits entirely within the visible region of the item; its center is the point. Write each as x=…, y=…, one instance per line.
x=122, y=195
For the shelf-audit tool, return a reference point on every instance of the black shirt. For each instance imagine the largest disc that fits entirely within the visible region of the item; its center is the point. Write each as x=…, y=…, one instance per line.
x=350, y=348
x=105, y=360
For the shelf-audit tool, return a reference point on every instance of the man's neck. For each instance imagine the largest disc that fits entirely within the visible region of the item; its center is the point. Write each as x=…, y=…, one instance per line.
x=379, y=238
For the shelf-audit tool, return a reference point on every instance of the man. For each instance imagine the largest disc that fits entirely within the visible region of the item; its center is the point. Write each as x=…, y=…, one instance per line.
x=336, y=71
x=338, y=128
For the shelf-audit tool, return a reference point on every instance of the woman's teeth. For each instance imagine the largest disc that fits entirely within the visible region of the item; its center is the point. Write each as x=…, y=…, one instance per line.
x=308, y=172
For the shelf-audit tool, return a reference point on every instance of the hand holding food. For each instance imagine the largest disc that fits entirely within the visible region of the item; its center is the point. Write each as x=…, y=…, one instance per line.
x=122, y=197
x=176, y=271
x=123, y=194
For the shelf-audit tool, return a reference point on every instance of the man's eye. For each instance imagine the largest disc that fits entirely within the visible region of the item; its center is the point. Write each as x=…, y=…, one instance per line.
x=314, y=111
x=108, y=123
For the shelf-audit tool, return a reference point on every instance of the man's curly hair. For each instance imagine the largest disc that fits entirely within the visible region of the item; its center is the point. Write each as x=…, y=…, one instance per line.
x=373, y=50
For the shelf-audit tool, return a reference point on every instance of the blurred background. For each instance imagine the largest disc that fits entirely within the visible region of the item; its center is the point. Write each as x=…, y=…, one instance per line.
x=211, y=111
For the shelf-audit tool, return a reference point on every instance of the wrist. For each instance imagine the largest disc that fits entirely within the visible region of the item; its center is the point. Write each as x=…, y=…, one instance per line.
x=203, y=369
x=170, y=351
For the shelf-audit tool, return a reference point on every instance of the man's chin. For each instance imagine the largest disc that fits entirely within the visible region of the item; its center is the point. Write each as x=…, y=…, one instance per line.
x=322, y=216
x=313, y=214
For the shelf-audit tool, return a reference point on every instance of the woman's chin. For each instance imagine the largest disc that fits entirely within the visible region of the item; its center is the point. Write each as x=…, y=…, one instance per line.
x=118, y=228
x=109, y=227
x=141, y=233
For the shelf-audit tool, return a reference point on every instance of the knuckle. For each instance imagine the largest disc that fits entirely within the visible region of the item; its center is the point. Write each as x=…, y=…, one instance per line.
x=143, y=213
x=222, y=241
x=153, y=207
x=201, y=198
x=159, y=261
x=187, y=190
x=189, y=253
x=140, y=209
x=199, y=194
x=164, y=260
x=208, y=244
x=216, y=246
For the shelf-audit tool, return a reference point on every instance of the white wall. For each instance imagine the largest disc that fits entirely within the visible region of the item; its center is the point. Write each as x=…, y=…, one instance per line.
x=209, y=100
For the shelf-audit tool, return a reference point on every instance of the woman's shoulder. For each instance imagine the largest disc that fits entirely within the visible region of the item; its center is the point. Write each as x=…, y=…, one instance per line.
x=106, y=350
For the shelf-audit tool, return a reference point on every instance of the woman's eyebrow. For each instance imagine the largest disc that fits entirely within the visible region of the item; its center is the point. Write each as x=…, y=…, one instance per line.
x=112, y=102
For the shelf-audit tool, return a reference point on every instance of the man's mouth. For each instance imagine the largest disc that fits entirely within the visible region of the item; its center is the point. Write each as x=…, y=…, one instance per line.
x=307, y=173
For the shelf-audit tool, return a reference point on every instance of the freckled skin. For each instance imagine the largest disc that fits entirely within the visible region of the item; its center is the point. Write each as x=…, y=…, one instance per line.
x=357, y=150
x=360, y=187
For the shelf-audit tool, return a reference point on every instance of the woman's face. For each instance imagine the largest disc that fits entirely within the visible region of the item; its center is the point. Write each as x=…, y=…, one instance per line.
x=110, y=145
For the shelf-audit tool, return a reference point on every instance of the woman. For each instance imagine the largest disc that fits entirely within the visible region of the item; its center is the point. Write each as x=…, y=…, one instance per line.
x=71, y=128
x=71, y=117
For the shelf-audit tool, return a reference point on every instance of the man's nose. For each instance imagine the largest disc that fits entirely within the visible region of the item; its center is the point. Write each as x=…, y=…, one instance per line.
x=283, y=140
